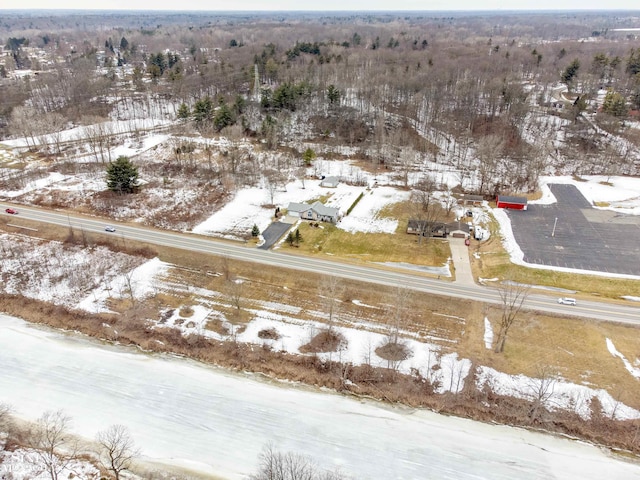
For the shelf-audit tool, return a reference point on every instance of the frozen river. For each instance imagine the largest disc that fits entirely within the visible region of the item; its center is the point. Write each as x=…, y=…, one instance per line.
x=189, y=415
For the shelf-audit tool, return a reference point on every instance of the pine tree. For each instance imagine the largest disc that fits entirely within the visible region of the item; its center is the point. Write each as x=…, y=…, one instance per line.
x=333, y=94
x=122, y=176
x=298, y=237
x=203, y=110
x=615, y=104
x=308, y=156
x=183, y=111
x=570, y=72
x=223, y=117
x=290, y=239
x=255, y=231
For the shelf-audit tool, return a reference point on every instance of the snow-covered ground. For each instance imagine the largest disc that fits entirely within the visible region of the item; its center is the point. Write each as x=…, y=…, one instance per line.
x=249, y=205
x=206, y=420
x=426, y=356
x=235, y=219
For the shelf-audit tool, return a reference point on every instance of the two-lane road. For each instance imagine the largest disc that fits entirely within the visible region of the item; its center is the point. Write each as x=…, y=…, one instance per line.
x=366, y=273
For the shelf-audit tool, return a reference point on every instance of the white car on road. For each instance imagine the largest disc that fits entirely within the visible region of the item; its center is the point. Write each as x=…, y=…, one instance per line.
x=567, y=301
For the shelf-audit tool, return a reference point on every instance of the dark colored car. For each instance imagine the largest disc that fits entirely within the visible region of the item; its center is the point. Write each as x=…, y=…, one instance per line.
x=11, y=211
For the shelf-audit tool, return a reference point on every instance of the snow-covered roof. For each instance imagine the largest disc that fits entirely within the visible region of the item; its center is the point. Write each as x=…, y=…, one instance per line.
x=330, y=182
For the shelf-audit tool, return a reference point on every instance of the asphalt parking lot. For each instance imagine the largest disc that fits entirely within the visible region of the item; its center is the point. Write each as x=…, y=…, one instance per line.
x=585, y=238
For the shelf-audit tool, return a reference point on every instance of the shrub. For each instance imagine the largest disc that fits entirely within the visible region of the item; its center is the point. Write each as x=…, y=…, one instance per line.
x=355, y=203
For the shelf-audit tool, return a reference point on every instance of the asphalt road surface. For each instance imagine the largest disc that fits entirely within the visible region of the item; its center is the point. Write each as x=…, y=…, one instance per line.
x=372, y=274
x=273, y=233
x=585, y=238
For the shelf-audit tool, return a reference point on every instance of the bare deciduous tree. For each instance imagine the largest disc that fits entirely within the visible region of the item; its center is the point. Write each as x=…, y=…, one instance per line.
x=540, y=390
x=331, y=289
x=117, y=449
x=275, y=465
x=426, y=207
x=512, y=296
x=5, y=423
x=52, y=445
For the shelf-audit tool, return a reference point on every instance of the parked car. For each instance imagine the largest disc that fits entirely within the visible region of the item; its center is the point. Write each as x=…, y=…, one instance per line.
x=11, y=211
x=109, y=229
x=567, y=301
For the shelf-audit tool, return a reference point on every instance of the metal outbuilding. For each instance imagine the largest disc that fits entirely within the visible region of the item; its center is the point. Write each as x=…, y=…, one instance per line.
x=515, y=203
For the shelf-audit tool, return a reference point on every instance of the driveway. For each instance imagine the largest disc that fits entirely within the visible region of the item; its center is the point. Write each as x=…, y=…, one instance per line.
x=273, y=233
x=461, y=261
x=585, y=238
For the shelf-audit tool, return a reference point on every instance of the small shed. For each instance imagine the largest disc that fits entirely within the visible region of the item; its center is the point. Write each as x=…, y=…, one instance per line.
x=330, y=182
x=514, y=203
x=471, y=199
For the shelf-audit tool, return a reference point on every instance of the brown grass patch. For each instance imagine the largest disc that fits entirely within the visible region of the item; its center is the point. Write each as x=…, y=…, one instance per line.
x=394, y=351
x=269, y=334
x=326, y=341
x=371, y=247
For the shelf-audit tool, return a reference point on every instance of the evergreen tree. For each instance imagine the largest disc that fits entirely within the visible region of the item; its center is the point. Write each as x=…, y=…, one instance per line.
x=570, y=72
x=308, y=156
x=122, y=176
x=223, y=117
x=183, y=112
x=615, y=104
x=633, y=63
x=290, y=239
x=203, y=110
x=298, y=237
x=333, y=94
x=255, y=231
x=239, y=105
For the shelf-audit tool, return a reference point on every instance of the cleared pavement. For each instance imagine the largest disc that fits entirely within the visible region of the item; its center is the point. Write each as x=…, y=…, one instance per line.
x=365, y=273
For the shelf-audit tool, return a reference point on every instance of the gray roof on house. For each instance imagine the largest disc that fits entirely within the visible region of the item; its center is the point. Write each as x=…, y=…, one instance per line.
x=298, y=207
x=323, y=210
x=458, y=226
x=318, y=207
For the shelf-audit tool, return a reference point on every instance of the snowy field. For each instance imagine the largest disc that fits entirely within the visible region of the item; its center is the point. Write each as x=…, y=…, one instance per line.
x=249, y=205
x=208, y=421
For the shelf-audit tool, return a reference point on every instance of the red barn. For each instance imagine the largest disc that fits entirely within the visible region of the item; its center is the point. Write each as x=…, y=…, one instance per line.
x=515, y=203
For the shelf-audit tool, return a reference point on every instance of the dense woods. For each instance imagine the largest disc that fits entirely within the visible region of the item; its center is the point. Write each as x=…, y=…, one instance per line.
x=502, y=98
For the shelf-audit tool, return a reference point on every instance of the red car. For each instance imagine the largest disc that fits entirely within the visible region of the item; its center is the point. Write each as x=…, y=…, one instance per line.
x=11, y=211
